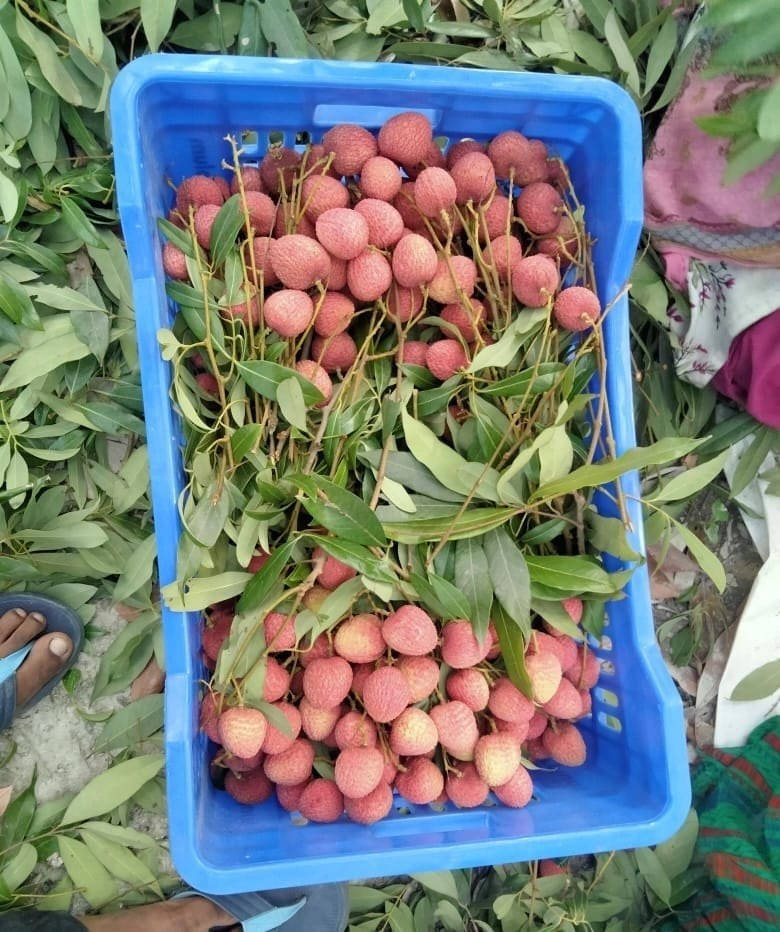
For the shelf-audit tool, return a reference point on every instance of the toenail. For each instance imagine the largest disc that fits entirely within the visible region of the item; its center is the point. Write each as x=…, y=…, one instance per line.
x=59, y=647
x=38, y=617
x=20, y=612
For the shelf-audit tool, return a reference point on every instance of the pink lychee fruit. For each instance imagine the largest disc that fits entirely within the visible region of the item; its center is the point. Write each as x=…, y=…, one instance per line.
x=421, y=783
x=314, y=373
x=175, y=263
x=507, y=702
x=460, y=647
x=316, y=723
x=371, y=808
x=335, y=354
x=564, y=648
x=288, y=312
x=338, y=274
x=299, y=261
x=434, y=191
x=410, y=630
x=261, y=211
x=586, y=671
x=354, y=730
x=292, y=766
x=453, y=280
x=333, y=314
x=359, y=639
x=470, y=687
x=248, y=788
x=539, y=206
x=204, y=221
x=514, y=156
x=537, y=725
x=457, y=728
x=544, y=672
x=414, y=261
x=321, y=801
x=250, y=179
x=277, y=740
x=406, y=206
x=576, y=308
x=465, y=788
x=413, y=353
x=195, y=192
x=289, y=797
x=403, y=304
x=352, y=146
x=461, y=148
x=385, y=224
x=467, y=317
x=518, y=729
x=369, y=275
x=474, y=177
x=573, y=607
x=279, y=168
x=497, y=757
x=421, y=674
x=242, y=730
x=380, y=179
x=261, y=253
x=277, y=680
x=517, y=791
x=445, y=357
x=279, y=631
x=359, y=771
x=495, y=219
x=333, y=572
x=327, y=682
x=343, y=232
x=209, y=717
x=503, y=253
x=565, y=702
x=413, y=732
x=535, y=280
x=565, y=745
x=385, y=694
x=405, y=138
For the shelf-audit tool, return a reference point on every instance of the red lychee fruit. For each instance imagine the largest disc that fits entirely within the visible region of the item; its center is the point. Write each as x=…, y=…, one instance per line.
x=562, y=244
x=549, y=868
x=518, y=729
x=223, y=185
x=250, y=178
x=277, y=680
x=292, y=766
x=457, y=728
x=242, y=731
x=535, y=280
x=470, y=687
x=288, y=221
x=354, y=730
x=385, y=694
x=327, y=682
x=413, y=732
x=204, y=221
x=217, y=628
x=209, y=716
x=465, y=788
x=445, y=357
x=421, y=674
x=361, y=672
x=279, y=168
x=517, y=791
x=359, y=639
x=321, y=801
x=576, y=308
x=288, y=312
x=421, y=783
x=333, y=572
x=587, y=702
x=544, y=672
x=586, y=671
x=359, y=771
x=385, y=224
x=241, y=764
x=565, y=702
x=316, y=723
x=461, y=148
x=290, y=796
x=503, y=253
x=338, y=274
x=414, y=261
x=497, y=757
x=371, y=808
x=564, y=648
x=299, y=261
x=406, y=206
x=413, y=353
x=539, y=206
x=474, y=177
x=434, y=191
x=261, y=256
x=248, y=788
x=196, y=191
x=507, y=702
x=467, y=317
x=495, y=219
x=261, y=211
x=246, y=309
x=175, y=263
x=352, y=146
x=343, y=232
x=319, y=378
x=335, y=354
x=411, y=631
x=537, y=725
x=433, y=158
x=454, y=279
x=405, y=138
x=565, y=745
x=459, y=646
x=334, y=314
x=277, y=740
x=279, y=631
x=369, y=275
x=404, y=303
x=513, y=156
x=573, y=607
x=380, y=179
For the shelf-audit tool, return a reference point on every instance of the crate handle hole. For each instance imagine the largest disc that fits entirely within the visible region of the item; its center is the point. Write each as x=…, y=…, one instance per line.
x=608, y=697
x=369, y=115
x=610, y=721
x=276, y=137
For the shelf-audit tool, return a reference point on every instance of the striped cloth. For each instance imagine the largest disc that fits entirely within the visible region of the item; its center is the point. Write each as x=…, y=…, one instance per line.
x=737, y=797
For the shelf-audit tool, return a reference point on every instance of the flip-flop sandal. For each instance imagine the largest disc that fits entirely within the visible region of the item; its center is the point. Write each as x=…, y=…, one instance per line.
x=59, y=618
x=324, y=908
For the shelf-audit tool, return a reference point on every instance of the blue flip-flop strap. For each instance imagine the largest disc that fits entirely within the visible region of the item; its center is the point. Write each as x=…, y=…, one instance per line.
x=8, y=667
x=273, y=919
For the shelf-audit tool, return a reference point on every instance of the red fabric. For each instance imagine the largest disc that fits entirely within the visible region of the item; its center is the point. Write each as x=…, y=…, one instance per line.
x=751, y=375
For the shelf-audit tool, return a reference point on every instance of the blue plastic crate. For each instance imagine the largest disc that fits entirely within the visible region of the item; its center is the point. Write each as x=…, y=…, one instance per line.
x=170, y=115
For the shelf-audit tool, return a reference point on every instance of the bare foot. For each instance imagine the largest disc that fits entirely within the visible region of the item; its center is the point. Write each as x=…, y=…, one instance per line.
x=49, y=653
x=191, y=914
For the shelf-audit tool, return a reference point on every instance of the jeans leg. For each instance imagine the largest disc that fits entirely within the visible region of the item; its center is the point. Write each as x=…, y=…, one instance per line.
x=30, y=920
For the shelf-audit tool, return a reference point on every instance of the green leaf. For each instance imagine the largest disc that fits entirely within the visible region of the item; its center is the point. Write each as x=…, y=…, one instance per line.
x=356, y=556
x=111, y=788
x=504, y=350
x=365, y=899
x=768, y=125
x=442, y=597
x=265, y=578
x=569, y=574
x=608, y=535
x=157, y=19
x=616, y=40
x=200, y=592
x=138, y=569
x=132, y=724
x=751, y=459
x=18, y=119
x=676, y=77
x=408, y=472
x=15, y=303
x=340, y=511
x=676, y=854
x=120, y=834
x=706, y=559
x=289, y=397
x=510, y=577
x=80, y=225
x=439, y=882
x=85, y=16
x=49, y=60
x=748, y=159
x=512, y=642
x=207, y=520
x=471, y=523
x=661, y=52
x=556, y=615
x=121, y=862
x=653, y=872
x=283, y=30
x=592, y=51
x=251, y=40
x=688, y=483
x=19, y=868
x=556, y=452
x=413, y=13
x=17, y=817
x=472, y=578
x=226, y=227
x=760, y=683
x=9, y=197
x=87, y=873
x=93, y=328
x=264, y=377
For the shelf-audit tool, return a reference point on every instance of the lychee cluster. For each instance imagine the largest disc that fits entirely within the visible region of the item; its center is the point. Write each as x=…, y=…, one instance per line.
x=394, y=703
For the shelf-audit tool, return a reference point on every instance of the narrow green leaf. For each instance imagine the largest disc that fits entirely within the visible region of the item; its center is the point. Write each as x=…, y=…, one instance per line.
x=131, y=724
x=413, y=13
x=661, y=52
x=706, y=559
x=608, y=535
x=360, y=558
x=85, y=16
x=405, y=469
x=512, y=642
x=264, y=377
x=111, y=788
x=16, y=304
x=751, y=459
x=748, y=159
x=284, y=32
x=19, y=868
x=472, y=577
x=9, y=198
x=341, y=511
x=17, y=817
x=87, y=873
x=439, y=882
x=450, y=597
x=207, y=520
x=80, y=225
x=289, y=397
x=760, y=683
x=200, y=592
x=121, y=862
x=688, y=483
x=265, y=578
x=676, y=854
x=472, y=523
x=138, y=569
x=18, y=119
x=93, y=328
x=653, y=872
x=49, y=60
x=616, y=39
x=504, y=350
x=570, y=574
x=157, y=19
x=768, y=125
x=251, y=40
x=510, y=577
x=122, y=835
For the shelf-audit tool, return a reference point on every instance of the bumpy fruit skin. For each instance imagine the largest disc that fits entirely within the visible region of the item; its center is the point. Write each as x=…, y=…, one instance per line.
x=359, y=771
x=537, y=725
x=454, y=279
x=406, y=206
x=564, y=648
x=261, y=255
x=288, y=312
x=414, y=261
x=535, y=280
x=380, y=179
x=517, y=791
x=434, y=191
x=404, y=303
x=327, y=682
x=544, y=671
x=319, y=378
x=277, y=680
x=586, y=671
x=456, y=725
x=549, y=868
x=204, y=221
x=277, y=740
x=562, y=244
x=196, y=191
x=334, y=313
x=371, y=808
x=369, y=275
x=299, y=261
x=507, y=702
x=209, y=717
x=413, y=733
x=242, y=731
x=248, y=788
x=474, y=177
x=335, y=354
x=497, y=757
x=413, y=353
x=385, y=694
x=321, y=801
x=278, y=169
x=320, y=193
x=433, y=158
x=467, y=317
x=249, y=177
x=261, y=211
x=421, y=674
x=421, y=783
x=240, y=764
x=333, y=572
x=461, y=148
x=411, y=631
x=359, y=639
x=565, y=745
x=175, y=263
x=539, y=206
x=354, y=730
x=496, y=218
x=465, y=788
x=518, y=728
x=516, y=157
x=445, y=357
x=343, y=232
x=470, y=687
x=289, y=797
x=279, y=631
x=245, y=310
x=405, y=138
x=385, y=224
x=338, y=274
x=573, y=607
x=292, y=766
x=459, y=646
x=503, y=253
x=352, y=146
x=576, y=308
x=316, y=723
x=565, y=702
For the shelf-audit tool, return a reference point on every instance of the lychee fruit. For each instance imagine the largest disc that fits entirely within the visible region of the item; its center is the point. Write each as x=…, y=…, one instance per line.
x=413, y=353
x=564, y=648
x=470, y=687
x=565, y=702
x=175, y=263
x=335, y=354
x=277, y=680
x=562, y=244
x=421, y=783
x=404, y=303
x=539, y=206
x=406, y=206
x=279, y=631
x=290, y=796
x=537, y=725
x=334, y=314
x=573, y=607
x=586, y=671
x=385, y=224
x=277, y=740
x=257, y=561
x=250, y=179
x=369, y=275
x=223, y=185
x=576, y=308
x=461, y=148
x=299, y=261
x=217, y=628
x=343, y=232
x=371, y=808
x=497, y=757
x=321, y=801
x=209, y=717
x=513, y=156
x=316, y=723
x=359, y=771
x=503, y=253
x=518, y=728
x=535, y=280
x=587, y=702
x=413, y=732
x=465, y=788
x=359, y=639
x=467, y=317
x=565, y=745
x=204, y=221
x=405, y=138
x=241, y=764
x=248, y=308
x=288, y=312
x=242, y=730
x=327, y=682
x=544, y=672
x=261, y=211
x=360, y=673
x=288, y=221
x=434, y=191
x=414, y=261
x=421, y=674
x=433, y=158
x=507, y=702
x=385, y=694
x=354, y=730
x=459, y=646
x=454, y=278
x=333, y=572
x=319, y=378
x=292, y=766
x=248, y=788
x=196, y=191
x=517, y=791
x=474, y=177
x=549, y=868
x=410, y=630
x=313, y=600
x=352, y=146
x=279, y=168
x=338, y=274
x=445, y=357
x=261, y=251
x=495, y=219
x=456, y=726
x=380, y=179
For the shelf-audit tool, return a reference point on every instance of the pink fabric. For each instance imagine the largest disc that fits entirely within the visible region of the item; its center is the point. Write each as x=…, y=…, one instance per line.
x=751, y=376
